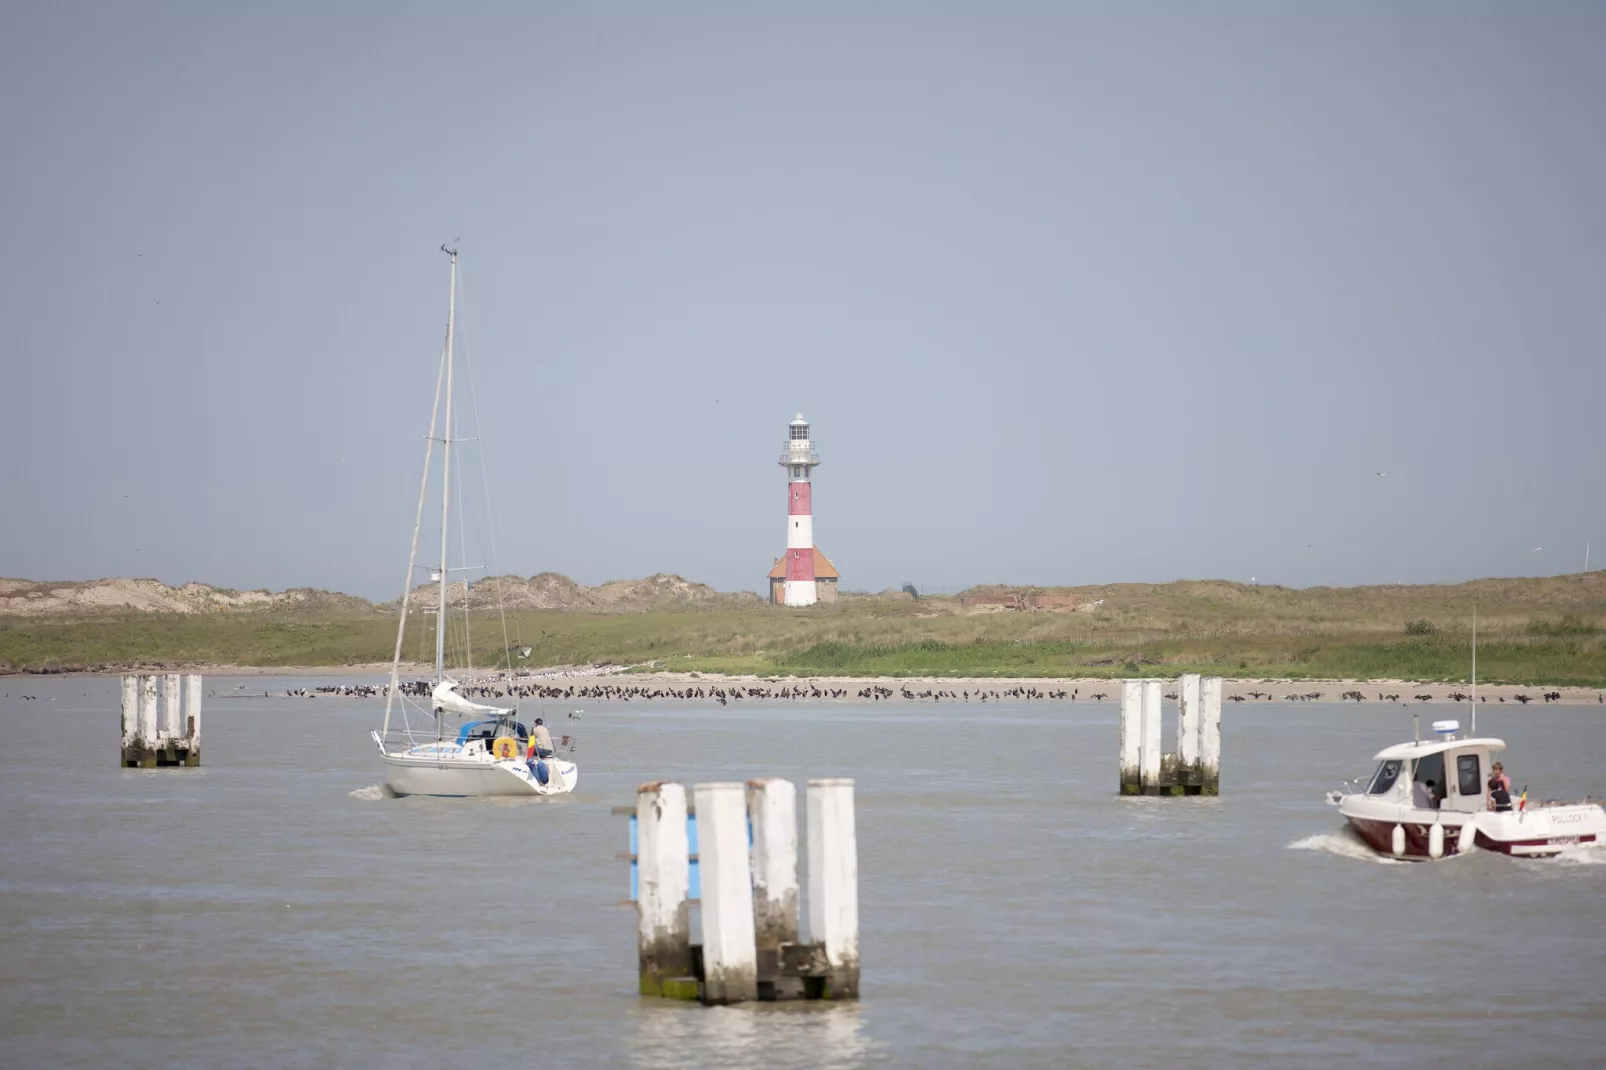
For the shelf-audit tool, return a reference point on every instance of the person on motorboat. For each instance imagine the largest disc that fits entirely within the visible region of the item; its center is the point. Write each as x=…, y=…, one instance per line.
x=1500, y=775
x=1499, y=796
x=540, y=740
x=1423, y=795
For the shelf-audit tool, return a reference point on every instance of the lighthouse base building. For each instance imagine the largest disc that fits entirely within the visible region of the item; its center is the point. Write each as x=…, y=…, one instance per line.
x=802, y=576
x=825, y=577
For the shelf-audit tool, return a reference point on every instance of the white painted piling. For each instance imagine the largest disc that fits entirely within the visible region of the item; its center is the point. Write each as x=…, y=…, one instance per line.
x=772, y=810
x=1210, y=736
x=172, y=710
x=147, y=711
x=192, y=715
x=130, y=711
x=1131, y=735
x=663, y=877
x=834, y=882
x=730, y=956
x=1149, y=761
x=1188, y=717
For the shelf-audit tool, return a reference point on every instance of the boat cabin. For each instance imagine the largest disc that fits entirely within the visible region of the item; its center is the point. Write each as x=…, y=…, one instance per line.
x=1458, y=768
x=489, y=730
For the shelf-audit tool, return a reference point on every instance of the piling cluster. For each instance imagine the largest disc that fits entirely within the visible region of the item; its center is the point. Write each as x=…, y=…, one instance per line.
x=1195, y=768
x=733, y=853
x=166, y=735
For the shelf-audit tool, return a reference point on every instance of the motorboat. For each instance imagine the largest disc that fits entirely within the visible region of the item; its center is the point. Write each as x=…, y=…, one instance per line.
x=1399, y=815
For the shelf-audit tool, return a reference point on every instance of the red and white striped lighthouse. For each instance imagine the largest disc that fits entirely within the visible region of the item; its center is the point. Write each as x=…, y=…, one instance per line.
x=799, y=459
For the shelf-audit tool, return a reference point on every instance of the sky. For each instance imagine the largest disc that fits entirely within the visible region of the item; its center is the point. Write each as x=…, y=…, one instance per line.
x=1071, y=292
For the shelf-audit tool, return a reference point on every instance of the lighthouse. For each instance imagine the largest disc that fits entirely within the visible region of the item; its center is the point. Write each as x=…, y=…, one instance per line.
x=803, y=576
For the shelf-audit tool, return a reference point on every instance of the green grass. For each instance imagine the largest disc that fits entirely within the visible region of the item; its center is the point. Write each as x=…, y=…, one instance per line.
x=1530, y=632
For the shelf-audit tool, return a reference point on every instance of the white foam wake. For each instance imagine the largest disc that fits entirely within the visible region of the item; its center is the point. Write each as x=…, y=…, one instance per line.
x=1344, y=843
x=373, y=792
x=1585, y=854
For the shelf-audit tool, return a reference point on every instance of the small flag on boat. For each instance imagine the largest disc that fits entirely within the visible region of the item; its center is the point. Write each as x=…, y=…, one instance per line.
x=1522, y=803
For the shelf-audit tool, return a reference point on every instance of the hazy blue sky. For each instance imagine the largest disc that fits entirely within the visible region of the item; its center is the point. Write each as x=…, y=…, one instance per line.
x=1072, y=292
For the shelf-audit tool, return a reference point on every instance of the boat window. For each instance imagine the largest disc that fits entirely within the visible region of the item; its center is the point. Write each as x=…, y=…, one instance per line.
x=1431, y=767
x=1468, y=774
x=1384, y=778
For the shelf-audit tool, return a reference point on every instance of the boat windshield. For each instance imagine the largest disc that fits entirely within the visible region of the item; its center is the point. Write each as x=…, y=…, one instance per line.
x=1382, y=780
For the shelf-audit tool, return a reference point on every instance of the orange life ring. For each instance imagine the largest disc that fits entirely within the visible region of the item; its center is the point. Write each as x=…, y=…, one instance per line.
x=505, y=747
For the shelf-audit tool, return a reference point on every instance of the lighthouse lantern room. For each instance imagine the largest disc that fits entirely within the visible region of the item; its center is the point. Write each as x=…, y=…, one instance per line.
x=803, y=576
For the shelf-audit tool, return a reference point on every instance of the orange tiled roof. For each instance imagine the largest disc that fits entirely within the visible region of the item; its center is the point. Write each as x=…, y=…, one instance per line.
x=823, y=569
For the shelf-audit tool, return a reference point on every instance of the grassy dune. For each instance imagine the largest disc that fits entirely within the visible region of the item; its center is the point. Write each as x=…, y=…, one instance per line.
x=1534, y=631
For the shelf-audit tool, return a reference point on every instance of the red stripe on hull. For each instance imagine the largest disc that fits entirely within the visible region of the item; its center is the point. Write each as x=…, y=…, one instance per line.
x=798, y=503
x=800, y=564
x=1379, y=836
x=1560, y=843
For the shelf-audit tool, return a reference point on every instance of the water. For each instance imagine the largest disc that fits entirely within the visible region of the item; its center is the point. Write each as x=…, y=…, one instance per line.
x=274, y=909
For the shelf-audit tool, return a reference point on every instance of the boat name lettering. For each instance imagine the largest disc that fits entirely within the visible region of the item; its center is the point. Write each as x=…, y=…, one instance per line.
x=1563, y=841
x=1565, y=819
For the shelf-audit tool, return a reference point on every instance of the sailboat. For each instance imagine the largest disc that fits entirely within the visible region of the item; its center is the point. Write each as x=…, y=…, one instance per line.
x=425, y=753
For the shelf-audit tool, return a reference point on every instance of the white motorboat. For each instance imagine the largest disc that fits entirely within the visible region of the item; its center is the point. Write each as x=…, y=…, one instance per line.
x=492, y=752
x=1400, y=816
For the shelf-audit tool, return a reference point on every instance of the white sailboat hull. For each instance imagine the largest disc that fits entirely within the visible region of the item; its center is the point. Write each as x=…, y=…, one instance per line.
x=444, y=770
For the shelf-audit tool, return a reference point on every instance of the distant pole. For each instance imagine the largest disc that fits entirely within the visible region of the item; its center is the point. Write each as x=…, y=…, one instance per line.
x=1586, y=557
x=1210, y=736
x=172, y=711
x=1131, y=736
x=1188, y=718
x=130, y=717
x=1149, y=760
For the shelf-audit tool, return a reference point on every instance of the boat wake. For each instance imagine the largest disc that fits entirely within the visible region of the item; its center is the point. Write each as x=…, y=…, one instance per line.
x=1585, y=854
x=1344, y=843
x=374, y=792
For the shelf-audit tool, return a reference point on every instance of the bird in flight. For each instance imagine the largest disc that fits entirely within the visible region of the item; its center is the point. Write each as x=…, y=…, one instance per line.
x=1375, y=472
x=1539, y=549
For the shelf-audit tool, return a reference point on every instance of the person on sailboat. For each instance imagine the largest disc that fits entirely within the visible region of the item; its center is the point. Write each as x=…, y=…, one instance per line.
x=540, y=740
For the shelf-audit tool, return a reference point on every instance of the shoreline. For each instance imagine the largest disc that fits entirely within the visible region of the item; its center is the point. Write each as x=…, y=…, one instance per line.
x=952, y=688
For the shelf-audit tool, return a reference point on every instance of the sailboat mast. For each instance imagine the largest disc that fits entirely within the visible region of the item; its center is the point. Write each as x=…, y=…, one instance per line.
x=446, y=474
x=1474, y=670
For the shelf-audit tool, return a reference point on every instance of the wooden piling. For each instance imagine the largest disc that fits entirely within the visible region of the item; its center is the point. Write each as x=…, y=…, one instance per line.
x=130, y=717
x=730, y=957
x=172, y=709
x=145, y=746
x=1210, y=736
x=663, y=875
x=192, y=718
x=1149, y=761
x=834, y=884
x=1131, y=736
x=1188, y=718
x=772, y=810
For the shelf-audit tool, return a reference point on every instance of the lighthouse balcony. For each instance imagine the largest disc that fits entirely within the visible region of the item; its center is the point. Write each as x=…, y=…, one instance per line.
x=799, y=456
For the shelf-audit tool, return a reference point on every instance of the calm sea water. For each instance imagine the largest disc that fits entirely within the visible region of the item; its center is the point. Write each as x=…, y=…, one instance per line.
x=267, y=911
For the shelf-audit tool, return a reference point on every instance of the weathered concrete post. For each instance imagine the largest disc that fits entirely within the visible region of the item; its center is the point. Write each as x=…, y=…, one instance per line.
x=1210, y=736
x=1188, y=720
x=1131, y=736
x=130, y=719
x=172, y=711
x=772, y=809
x=1149, y=763
x=834, y=883
x=192, y=717
x=663, y=875
x=730, y=956
x=146, y=757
